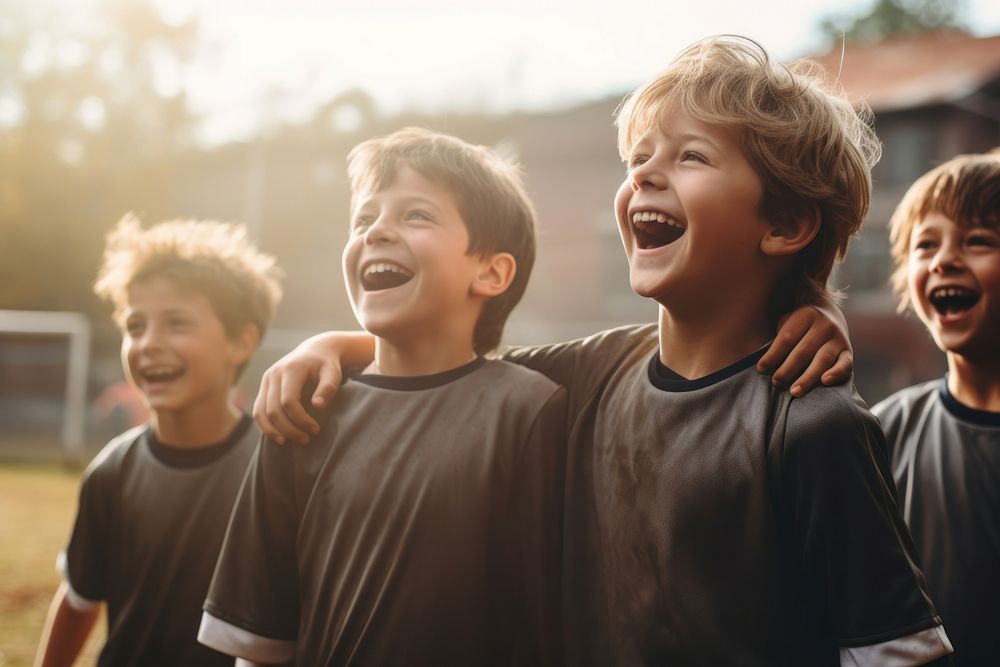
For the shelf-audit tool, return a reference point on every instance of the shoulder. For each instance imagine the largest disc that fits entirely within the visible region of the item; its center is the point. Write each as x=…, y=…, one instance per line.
x=110, y=459
x=502, y=374
x=828, y=418
x=904, y=401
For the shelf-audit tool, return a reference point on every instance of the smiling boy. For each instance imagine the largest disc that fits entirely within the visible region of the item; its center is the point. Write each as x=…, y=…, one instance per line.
x=710, y=518
x=192, y=300
x=423, y=524
x=944, y=435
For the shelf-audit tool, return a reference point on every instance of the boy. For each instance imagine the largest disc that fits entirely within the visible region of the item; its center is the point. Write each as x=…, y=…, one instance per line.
x=944, y=436
x=423, y=524
x=193, y=300
x=711, y=519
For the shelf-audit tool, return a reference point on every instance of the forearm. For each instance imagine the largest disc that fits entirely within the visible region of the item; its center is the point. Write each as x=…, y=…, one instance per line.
x=66, y=631
x=353, y=348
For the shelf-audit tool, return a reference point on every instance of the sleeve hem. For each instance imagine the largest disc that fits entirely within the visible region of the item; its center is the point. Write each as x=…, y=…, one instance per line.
x=915, y=649
x=233, y=640
x=73, y=599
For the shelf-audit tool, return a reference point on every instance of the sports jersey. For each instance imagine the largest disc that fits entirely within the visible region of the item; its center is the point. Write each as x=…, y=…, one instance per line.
x=719, y=521
x=422, y=526
x=150, y=523
x=946, y=463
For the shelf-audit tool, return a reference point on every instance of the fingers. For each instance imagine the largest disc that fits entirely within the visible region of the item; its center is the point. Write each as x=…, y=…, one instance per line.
x=841, y=371
x=289, y=414
x=822, y=361
x=791, y=330
x=330, y=377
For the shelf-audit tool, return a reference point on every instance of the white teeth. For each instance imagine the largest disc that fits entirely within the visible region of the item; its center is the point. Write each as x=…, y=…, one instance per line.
x=383, y=267
x=948, y=292
x=651, y=216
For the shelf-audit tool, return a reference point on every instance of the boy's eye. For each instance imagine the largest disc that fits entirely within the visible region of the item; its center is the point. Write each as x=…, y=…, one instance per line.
x=133, y=327
x=692, y=156
x=923, y=244
x=362, y=222
x=417, y=214
x=637, y=160
x=981, y=240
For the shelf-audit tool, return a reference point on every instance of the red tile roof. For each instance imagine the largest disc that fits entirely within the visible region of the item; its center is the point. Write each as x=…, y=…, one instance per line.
x=915, y=71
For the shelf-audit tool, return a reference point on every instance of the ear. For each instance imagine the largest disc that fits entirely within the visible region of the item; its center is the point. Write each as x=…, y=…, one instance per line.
x=791, y=235
x=244, y=343
x=496, y=271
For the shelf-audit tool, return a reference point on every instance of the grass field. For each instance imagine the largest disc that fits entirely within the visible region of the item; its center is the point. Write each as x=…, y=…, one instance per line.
x=37, y=505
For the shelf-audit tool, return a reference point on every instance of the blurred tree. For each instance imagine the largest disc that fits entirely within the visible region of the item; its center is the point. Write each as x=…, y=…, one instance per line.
x=90, y=104
x=894, y=17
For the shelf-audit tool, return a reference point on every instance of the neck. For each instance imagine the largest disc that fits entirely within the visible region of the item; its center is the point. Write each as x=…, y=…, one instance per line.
x=973, y=384
x=697, y=346
x=420, y=357
x=199, y=427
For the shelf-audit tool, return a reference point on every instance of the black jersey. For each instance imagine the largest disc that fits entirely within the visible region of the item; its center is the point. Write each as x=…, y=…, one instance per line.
x=946, y=463
x=721, y=522
x=421, y=527
x=148, y=530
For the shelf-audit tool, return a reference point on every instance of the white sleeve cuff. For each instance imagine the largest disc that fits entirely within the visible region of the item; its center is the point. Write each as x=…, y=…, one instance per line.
x=73, y=599
x=232, y=640
x=916, y=649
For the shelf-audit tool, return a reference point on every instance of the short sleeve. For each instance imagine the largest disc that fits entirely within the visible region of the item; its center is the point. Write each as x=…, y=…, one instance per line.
x=252, y=607
x=537, y=505
x=85, y=563
x=858, y=559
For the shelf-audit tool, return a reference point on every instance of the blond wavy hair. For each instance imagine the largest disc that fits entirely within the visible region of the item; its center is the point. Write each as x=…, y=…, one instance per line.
x=812, y=150
x=215, y=259
x=965, y=189
x=490, y=195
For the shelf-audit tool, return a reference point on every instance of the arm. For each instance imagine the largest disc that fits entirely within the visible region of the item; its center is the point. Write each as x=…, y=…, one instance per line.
x=858, y=561
x=66, y=630
x=813, y=338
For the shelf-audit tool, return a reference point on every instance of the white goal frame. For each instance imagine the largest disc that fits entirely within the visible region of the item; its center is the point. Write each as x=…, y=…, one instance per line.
x=77, y=327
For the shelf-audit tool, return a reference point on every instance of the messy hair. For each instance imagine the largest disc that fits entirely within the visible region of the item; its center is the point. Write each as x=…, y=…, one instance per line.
x=812, y=150
x=489, y=193
x=215, y=259
x=965, y=189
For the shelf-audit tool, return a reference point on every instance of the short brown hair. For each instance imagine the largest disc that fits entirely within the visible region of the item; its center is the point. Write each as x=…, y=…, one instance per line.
x=215, y=259
x=965, y=189
x=810, y=148
x=489, y=193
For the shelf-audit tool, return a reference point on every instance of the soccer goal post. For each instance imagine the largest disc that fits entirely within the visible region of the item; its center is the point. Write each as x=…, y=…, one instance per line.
x=75, y=328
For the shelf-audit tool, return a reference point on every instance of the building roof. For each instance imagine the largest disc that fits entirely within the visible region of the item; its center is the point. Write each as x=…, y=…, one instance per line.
x=915, y=70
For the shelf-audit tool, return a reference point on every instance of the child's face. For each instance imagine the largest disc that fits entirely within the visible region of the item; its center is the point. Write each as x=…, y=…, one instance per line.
x=954, y=282
x=406, y=263
x=175, y=349
x=688, y=212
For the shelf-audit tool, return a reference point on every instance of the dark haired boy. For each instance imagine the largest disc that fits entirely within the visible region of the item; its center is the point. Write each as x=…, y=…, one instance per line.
x=423, y=524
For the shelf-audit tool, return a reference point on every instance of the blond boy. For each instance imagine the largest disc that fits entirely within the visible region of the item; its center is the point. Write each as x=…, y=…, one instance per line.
x=944, y=435
x=710, y=518
x=192, y=299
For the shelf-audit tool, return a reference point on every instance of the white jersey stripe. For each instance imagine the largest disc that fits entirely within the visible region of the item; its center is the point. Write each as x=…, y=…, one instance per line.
x=916, y=649
x=232, y=640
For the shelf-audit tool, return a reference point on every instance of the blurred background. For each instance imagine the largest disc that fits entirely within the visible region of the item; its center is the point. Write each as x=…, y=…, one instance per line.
x=199, y=109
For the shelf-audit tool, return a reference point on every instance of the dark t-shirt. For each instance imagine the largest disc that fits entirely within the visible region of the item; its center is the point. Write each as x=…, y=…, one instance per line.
x=421, y=527
x=148, y=530
x=720, y=522
x=946, y=463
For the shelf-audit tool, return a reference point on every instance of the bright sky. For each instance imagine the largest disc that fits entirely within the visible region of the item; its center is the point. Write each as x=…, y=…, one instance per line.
x=276, y=59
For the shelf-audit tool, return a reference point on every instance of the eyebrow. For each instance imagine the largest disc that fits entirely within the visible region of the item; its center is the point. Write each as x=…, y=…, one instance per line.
x=406, y=200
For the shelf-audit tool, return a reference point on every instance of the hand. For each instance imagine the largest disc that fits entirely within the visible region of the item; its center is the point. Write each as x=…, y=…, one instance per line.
x=813, y=338
x=279, y=409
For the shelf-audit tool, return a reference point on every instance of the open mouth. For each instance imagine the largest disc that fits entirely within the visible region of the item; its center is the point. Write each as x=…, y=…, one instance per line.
x=161, y=373
x=654, y=229
x=384, y=275
x=952, y=300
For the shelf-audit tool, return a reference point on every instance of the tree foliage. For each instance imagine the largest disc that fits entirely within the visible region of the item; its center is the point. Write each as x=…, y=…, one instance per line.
x=888, y=18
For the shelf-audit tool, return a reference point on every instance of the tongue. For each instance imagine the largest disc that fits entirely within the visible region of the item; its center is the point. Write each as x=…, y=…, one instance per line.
x=656, y=234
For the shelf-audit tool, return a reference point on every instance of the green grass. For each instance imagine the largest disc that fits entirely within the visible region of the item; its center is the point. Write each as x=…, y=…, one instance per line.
x=37, y=506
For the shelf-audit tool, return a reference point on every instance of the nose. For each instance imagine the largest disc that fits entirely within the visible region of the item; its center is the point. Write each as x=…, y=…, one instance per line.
x=947, y=259
x=380, y=231
x=646, y=176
